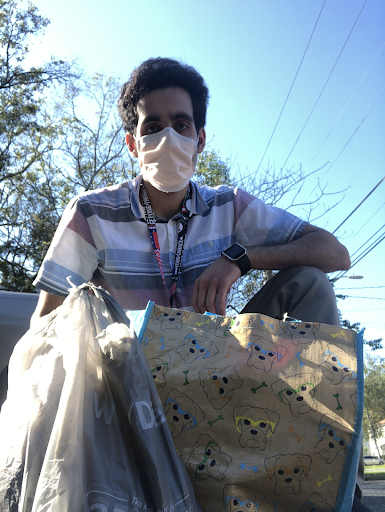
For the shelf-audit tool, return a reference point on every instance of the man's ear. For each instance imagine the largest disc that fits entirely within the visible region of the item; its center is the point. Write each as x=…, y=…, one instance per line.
x=201, y=140
x=130, y=141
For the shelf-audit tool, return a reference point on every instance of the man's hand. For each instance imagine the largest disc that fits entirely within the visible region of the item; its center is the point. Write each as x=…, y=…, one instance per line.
x=212, y=286
x=314, y=247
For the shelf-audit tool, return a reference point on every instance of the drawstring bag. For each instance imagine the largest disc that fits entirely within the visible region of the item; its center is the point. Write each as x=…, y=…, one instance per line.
x=265, y=414
x=83, y=428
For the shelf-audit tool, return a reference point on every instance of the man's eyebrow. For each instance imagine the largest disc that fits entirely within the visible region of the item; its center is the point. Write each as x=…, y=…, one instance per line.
x=150, y=118
x=178, y=115
x=182, y=115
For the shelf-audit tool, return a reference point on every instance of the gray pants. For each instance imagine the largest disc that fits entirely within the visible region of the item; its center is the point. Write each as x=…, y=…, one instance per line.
x=304, y=293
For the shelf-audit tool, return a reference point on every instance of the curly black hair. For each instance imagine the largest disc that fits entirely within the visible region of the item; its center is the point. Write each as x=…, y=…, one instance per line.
x=159, y=73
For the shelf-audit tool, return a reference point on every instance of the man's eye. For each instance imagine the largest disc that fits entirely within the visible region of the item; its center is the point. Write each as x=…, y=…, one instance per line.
x=152, y=129
x=182, y=126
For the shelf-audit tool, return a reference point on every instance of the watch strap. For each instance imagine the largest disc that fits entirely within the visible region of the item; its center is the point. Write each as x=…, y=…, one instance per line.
x=244, y=264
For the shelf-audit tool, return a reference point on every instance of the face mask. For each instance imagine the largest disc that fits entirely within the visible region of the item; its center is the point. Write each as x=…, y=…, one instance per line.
x=165, y=159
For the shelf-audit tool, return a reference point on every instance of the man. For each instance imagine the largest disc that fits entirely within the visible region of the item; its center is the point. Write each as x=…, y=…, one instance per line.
x=103, y=235
x=162, y=238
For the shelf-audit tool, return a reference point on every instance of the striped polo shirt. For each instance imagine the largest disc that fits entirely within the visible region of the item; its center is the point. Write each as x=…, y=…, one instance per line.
x=103, y=238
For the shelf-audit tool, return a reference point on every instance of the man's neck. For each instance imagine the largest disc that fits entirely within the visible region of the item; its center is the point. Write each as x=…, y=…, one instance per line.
x=165, y=204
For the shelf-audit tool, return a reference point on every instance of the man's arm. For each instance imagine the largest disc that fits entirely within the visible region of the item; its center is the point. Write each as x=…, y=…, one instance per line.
x=315, y=247
x=45, y=305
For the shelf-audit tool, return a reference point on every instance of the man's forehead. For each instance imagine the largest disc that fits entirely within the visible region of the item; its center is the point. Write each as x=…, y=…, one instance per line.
x=165, y=102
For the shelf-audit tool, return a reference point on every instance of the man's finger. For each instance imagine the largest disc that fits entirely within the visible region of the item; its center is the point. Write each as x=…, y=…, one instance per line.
x=194, y=300
x=221, y=300
x=211, y=297
x=202, y=295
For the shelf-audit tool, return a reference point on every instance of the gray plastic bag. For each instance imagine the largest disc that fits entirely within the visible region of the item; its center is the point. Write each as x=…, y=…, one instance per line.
x=83, y=428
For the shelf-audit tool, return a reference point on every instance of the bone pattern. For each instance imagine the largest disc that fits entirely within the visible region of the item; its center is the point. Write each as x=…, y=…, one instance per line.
x=299, y=438
x=328, y=479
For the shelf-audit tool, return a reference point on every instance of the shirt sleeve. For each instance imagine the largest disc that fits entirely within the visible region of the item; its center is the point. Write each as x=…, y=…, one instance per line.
x=72, y=254
x=257, y=224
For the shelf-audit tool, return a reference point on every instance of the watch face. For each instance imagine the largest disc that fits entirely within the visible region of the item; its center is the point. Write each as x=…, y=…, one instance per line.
x=235, y=251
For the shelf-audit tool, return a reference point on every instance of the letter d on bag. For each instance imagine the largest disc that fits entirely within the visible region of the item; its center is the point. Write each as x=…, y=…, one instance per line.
x=146, y=415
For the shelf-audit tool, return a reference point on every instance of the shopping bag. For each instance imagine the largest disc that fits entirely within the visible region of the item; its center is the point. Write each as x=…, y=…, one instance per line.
x=265, y=414
x=83, y=428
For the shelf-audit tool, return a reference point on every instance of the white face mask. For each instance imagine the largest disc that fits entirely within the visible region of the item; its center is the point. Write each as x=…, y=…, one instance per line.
x=165, y=159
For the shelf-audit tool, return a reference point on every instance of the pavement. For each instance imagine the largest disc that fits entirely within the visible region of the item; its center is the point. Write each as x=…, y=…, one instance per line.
x=374, y=495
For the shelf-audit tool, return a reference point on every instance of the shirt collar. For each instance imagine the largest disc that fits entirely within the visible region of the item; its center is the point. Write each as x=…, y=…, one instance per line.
x=136, y=207
x=198, y=204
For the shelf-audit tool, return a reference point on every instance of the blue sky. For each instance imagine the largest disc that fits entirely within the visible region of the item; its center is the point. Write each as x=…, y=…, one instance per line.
x=249, y=53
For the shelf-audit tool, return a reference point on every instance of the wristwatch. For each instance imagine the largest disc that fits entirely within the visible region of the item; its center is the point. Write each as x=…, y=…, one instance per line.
x=237, y=253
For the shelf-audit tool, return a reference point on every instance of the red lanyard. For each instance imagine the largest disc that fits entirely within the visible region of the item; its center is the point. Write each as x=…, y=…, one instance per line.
x=151, y=223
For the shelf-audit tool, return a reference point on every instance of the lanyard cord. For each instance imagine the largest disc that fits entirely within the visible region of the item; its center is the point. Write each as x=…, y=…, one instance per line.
x=151, y=223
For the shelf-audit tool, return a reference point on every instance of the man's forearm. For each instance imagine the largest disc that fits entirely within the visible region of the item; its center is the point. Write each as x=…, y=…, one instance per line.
x=317, y=248
x=45, y=305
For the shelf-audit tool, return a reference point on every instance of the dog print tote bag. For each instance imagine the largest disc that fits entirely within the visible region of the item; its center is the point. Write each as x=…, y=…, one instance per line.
x=265, y=414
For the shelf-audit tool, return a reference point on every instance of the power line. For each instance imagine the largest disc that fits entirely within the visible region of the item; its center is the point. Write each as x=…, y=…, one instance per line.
x=368, y=240
x=291, y=87
x=367, y=252
x=353, y=134
x=360, y=257
x=356, y=208
x=370, y=218
x=323, y=88
x=345, y=107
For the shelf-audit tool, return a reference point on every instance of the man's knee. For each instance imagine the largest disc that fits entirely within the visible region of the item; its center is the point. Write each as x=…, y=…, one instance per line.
x=307, y=276
x=304, y=292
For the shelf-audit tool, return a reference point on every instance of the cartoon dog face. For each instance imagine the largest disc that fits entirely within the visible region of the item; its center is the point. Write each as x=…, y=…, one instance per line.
x=196, y=346
x=220, y=326
x=181, y=412
x=241, y=499
x=333, y=440
x=297, y=392
x=316, y=503
x=159, y=366
x=207, y=460
x=288, y=471
x=337, y=365
x=255, y=425
x=171, y=320
x=300, y=332
x=223, y=328
x=264, y=353
x=219, y=384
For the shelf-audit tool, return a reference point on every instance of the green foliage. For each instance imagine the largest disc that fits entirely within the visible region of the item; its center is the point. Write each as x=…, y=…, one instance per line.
x=374, y=473
x=374, y=402
x=212, y=170
x=49, y=152
x=89, y=153
x=22, y=120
